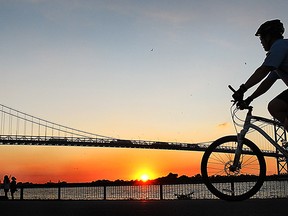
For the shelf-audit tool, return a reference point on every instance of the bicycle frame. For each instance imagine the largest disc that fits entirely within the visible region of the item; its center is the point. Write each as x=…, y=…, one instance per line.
x=248, y=124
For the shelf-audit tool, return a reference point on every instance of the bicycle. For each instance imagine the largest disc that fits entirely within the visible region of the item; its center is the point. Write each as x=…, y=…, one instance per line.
x=235, y=159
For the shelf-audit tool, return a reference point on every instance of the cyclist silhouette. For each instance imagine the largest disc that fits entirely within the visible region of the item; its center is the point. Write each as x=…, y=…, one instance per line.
x=275, y=66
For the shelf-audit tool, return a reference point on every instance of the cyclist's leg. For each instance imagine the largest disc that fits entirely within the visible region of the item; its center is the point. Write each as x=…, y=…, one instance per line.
x=278, y=108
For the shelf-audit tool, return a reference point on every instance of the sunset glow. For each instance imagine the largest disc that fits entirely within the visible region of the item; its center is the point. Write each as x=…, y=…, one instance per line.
x=144, y=177
x=134, y=70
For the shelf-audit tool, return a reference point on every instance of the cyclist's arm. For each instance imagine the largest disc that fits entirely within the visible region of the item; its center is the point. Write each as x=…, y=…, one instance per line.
x=257, y=76
x=263, y=87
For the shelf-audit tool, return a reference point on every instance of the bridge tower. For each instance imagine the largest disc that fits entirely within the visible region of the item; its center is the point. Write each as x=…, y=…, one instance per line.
x=280, y=135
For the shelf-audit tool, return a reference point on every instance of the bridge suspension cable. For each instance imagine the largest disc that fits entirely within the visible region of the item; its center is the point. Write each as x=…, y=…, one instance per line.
x=14, y=122
x=19, y=128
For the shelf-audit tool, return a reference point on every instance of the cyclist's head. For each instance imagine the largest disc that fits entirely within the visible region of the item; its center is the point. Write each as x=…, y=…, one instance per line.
x=273, y=28
x=269, y=32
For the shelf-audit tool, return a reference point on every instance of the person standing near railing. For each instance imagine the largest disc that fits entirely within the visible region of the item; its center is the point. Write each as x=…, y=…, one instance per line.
x=6, y=185
x=13, y=187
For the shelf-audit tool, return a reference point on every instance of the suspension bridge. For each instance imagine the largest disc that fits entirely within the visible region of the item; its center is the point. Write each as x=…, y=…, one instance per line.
x=19, y=128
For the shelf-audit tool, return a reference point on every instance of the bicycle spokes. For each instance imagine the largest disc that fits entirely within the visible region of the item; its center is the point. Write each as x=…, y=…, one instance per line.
x=226, y=180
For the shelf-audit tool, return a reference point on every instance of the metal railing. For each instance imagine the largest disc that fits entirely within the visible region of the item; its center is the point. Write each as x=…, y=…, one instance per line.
x=270, y=189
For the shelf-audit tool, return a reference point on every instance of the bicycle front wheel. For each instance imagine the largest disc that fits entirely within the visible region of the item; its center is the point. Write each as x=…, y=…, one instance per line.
x=226, y=182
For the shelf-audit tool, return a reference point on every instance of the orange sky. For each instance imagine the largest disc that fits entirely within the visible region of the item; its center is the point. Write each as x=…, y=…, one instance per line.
x=78, y=164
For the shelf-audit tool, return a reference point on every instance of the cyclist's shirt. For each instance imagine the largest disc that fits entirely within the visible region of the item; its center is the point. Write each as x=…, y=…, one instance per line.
x=277, y=58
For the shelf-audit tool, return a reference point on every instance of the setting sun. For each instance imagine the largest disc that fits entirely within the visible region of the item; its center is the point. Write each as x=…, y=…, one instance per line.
x=144, y=177
x=144, y=173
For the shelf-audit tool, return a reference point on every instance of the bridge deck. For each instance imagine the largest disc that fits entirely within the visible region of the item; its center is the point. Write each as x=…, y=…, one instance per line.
x=114, y=143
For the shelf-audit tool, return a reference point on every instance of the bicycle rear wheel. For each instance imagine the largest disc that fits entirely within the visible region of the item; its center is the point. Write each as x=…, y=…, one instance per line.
x=228, y=184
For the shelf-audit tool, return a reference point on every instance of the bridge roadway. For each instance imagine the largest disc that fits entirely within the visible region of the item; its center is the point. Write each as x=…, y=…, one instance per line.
x=113, y=143
x=98, y=142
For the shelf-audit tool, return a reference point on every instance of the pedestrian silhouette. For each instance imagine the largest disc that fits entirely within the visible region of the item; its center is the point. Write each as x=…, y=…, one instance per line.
x=13, y=187
x=6, y=185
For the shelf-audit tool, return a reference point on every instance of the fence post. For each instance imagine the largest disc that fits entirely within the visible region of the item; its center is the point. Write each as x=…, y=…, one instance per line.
x=59, y=191
x=104, y=192
x=161, y=192
x=21, y=192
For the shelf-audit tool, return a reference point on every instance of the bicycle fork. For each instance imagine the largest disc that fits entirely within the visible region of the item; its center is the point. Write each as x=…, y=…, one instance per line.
x=236, y=166
x=236, y=163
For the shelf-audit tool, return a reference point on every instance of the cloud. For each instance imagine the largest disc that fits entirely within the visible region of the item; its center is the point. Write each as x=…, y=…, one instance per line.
x=223, y=125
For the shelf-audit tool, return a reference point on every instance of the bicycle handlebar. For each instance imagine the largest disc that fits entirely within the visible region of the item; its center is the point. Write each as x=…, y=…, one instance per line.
x=240, y=104
x=231, y=88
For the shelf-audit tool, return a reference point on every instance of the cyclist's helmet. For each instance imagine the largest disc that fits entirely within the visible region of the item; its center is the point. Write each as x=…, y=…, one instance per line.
x=274, y=27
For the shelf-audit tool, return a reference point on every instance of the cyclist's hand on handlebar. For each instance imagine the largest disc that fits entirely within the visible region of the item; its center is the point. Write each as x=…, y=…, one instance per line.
x=244, y=104
x=248, y=100
x=238, y=95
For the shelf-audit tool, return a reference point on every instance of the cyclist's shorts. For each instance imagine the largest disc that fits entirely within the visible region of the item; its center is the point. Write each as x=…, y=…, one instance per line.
x=283, y=96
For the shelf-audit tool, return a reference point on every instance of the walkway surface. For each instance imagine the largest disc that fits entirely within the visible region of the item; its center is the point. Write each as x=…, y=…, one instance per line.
x=271, y=207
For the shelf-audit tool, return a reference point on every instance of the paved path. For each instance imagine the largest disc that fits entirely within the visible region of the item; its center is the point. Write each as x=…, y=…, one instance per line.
x=272, y=207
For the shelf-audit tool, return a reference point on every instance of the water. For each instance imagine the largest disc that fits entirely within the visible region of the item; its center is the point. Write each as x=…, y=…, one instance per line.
x=270, y=189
